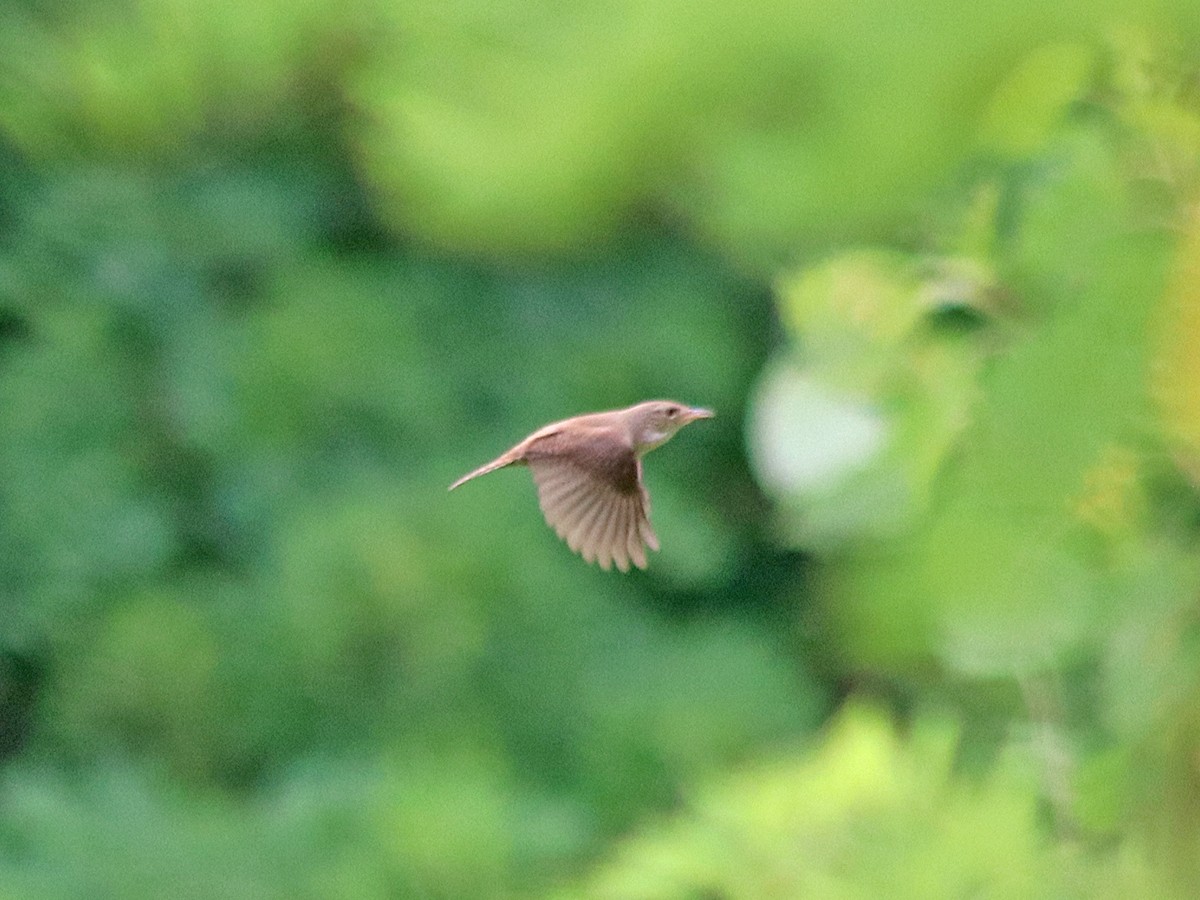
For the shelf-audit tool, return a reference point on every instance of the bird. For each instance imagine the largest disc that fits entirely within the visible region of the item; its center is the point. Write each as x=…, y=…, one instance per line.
x=588, y=473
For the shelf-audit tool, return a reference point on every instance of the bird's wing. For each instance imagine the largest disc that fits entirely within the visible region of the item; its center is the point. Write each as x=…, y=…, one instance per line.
x=595, y=501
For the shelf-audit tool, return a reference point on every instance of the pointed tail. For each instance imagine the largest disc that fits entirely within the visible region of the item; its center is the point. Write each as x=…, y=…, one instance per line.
x=499, y=462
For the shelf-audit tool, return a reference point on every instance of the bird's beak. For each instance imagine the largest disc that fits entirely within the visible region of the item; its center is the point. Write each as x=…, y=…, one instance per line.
x=697, y=412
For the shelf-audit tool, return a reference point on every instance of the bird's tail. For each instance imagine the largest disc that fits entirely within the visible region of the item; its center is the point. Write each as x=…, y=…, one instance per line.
x=499, y=462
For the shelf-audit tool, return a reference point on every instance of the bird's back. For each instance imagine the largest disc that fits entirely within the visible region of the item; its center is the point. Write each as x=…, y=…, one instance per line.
x=597, y=449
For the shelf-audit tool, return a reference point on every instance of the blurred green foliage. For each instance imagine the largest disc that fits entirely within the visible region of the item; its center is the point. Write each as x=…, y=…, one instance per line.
x=925, y=622
x=871, y=814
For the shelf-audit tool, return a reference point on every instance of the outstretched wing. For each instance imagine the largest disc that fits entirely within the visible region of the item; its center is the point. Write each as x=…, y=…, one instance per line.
x=595, y=502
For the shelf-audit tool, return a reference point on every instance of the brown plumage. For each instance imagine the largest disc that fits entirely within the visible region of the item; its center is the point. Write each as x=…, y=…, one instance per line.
x=588, y=472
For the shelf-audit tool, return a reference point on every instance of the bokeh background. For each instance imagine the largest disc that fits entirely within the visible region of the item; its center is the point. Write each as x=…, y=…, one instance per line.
x=926, y=620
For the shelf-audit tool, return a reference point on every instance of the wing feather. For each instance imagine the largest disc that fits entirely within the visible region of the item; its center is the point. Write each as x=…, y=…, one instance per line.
x=568, y=507
x=606, y=544
x=581, y=519
x=560, y=491
x=645, y=529
x=592, y=540
x=637, y=550
x=602, y=518
x=620, y=538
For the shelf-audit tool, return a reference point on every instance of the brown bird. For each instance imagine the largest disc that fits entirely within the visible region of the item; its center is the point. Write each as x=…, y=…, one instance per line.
x=588, y=472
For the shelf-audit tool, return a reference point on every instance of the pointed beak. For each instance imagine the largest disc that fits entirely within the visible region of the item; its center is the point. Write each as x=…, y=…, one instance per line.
x=697, y=412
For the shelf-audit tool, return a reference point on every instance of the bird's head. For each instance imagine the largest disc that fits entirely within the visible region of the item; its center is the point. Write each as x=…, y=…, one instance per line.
x=653, y=423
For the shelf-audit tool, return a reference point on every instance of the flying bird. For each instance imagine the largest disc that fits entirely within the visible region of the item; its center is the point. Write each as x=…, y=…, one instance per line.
x=588, y=472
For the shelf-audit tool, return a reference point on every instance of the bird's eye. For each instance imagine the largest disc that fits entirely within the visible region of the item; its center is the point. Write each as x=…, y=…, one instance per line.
x=672, y=411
